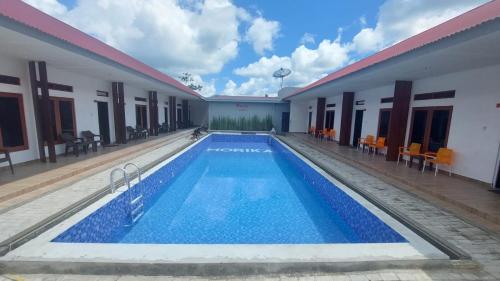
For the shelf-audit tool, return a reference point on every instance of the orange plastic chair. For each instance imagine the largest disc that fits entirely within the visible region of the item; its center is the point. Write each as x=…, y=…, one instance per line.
x=377, y=145
x=332, y=134
x=312, y=131
x=370, y=139
x=323, y=133
x=412, y=150
x=444, y=156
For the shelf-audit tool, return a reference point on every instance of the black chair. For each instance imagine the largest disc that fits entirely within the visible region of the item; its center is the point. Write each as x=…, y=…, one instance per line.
x=74, y=143
x=132, y=133
x=163, y=128
x=6, y=158
x=142, y=132
x=93, y=139
x=196, y=133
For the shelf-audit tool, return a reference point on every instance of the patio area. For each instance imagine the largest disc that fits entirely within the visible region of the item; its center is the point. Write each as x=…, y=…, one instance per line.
x=33, y=179
x=469, y=199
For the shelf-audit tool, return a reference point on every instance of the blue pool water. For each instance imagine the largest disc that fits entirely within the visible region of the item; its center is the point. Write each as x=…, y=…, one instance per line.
x=235, y=189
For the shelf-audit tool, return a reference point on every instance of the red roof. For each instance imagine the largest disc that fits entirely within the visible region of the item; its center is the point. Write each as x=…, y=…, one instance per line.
x=27, y=15
x=474, y=17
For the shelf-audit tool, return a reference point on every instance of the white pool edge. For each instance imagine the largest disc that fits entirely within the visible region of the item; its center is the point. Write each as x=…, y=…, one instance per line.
x=41, y=249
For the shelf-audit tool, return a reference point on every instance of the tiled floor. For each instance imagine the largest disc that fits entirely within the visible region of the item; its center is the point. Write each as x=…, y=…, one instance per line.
x=381, y=275
x=461, y=195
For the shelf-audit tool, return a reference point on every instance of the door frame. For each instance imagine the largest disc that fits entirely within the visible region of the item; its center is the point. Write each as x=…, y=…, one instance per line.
x=380, y=118
x=287, y=121
x=309, y=122
x=146, y=115
x=108, y=141
x=428, y=124
x=327, y=112
x=20, y=103
x=355, y=143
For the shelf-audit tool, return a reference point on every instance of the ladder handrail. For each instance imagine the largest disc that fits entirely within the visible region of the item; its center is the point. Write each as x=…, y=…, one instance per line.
x=125, y=178
x=136, y=167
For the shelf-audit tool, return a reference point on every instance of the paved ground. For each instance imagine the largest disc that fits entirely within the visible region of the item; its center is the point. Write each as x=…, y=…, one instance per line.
x=482, y=245
x=382, y=275
x=468, y=195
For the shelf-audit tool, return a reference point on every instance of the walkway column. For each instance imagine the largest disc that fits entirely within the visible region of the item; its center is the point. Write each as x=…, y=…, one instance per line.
x=185, y=113
x=399, y=118
x=153, y=113
x=47, y=121
x=320, y=113
x=346, y=118
x=36, y=111
x=119, y=112
x=172, y=109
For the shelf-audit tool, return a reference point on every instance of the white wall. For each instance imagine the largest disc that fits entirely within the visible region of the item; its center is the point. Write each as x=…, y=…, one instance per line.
x=475, y=123
x=15, y=67
x=130, y=93
x=372, y=108
x=162, y=104
x=337, y=100
x=299, y=112
x=199, y=112
x=298, y=116
x=84, y=95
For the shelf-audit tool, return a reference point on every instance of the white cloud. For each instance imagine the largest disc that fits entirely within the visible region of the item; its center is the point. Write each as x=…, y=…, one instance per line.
x=307, y=38
x=261, y=34
x=400, y=19
x=173, y=36
x=397, y=20
x=362, y=20
x=51, y=7
x=208, y=86
x=307, y=65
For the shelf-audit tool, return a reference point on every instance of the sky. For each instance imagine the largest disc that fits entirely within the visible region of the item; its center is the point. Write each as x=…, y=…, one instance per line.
x=233, y=47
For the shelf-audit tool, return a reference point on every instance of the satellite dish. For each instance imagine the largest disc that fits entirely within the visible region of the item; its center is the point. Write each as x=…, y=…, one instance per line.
x=282, y=73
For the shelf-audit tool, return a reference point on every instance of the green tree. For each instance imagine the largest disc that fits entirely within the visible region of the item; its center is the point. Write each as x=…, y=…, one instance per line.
x=188, y=80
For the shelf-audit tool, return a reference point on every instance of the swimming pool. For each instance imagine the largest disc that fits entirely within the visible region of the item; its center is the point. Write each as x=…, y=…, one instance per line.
x=234, y=189
x=228, y=204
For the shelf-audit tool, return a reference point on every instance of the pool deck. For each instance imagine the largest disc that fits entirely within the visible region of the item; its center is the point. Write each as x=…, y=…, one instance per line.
x=480, y=242
x=464, y=197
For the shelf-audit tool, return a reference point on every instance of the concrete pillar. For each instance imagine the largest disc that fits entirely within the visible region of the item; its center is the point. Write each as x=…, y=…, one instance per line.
x=399, y=118
x=346, y=118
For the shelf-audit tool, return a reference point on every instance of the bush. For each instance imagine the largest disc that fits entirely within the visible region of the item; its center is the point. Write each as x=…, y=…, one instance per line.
x=254, y=123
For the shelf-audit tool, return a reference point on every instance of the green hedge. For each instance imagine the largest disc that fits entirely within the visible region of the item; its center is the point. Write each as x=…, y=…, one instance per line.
x=242, y=124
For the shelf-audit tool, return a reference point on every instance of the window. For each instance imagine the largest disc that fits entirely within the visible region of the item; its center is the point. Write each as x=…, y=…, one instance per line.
x=141, y=116
x=430, y=127
x=165, y=112
x=63, y=114
x=12, y=123
x=330, y=118
x=383, y=122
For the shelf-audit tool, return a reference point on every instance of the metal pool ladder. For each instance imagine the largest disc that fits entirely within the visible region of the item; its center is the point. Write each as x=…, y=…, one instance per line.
x=136, y=204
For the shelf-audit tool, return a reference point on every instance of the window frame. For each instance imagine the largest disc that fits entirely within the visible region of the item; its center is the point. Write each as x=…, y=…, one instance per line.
x=20, y=102
x=428, y=125
x=57, y=115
